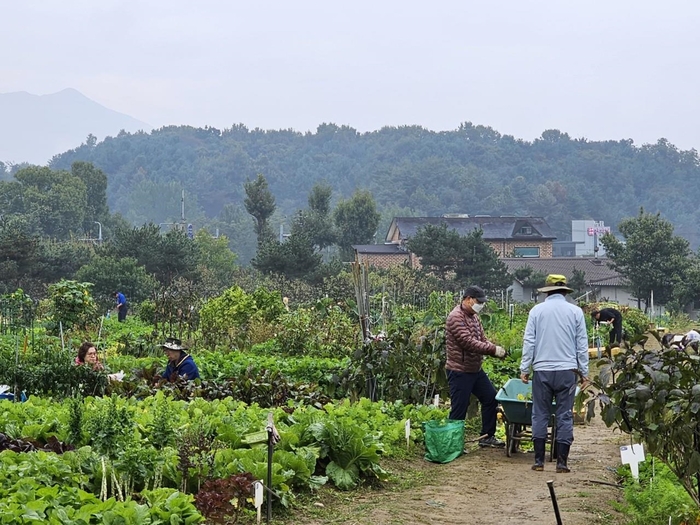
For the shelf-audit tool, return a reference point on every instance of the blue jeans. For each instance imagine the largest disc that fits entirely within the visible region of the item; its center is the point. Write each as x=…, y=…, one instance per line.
x=462, y=386
x=547, y=386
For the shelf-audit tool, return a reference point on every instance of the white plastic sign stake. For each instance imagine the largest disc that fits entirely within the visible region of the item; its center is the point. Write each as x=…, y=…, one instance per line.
x=407, y=427
x=436, y=400
x=632, y=456
x=258, y=499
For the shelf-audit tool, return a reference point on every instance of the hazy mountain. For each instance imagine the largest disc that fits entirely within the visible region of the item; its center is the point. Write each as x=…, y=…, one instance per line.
x=33, y=128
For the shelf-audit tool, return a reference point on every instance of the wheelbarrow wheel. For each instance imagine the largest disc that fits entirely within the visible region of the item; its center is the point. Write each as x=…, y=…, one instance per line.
x=517, y=438
x=510, y=441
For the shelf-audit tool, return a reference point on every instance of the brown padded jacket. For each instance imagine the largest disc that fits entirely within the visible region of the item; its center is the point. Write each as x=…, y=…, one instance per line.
x=465, y=341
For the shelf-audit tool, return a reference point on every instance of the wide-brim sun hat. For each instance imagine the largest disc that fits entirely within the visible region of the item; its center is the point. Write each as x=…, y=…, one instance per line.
x=555, y=283
x=172, y=343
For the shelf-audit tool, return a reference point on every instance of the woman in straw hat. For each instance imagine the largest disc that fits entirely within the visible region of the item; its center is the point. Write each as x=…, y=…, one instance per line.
x=180, y=363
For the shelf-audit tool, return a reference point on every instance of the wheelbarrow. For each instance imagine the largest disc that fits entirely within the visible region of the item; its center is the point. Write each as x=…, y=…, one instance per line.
x=515, y=398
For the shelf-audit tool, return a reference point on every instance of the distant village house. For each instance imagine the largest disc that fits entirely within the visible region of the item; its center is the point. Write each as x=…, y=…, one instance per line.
x=529, y=237
x=519, y=242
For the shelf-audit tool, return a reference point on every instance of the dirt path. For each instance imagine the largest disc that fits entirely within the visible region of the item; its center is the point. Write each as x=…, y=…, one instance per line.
x=485, y=487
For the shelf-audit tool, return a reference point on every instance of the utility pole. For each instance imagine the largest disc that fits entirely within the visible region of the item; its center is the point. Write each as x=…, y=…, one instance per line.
x=182, y=200
x=99, y=233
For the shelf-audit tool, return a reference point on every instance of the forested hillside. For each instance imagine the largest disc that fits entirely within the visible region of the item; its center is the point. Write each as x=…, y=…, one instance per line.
x=409, y=170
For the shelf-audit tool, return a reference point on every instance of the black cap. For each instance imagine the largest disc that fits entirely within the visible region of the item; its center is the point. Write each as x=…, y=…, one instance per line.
x=476, y=293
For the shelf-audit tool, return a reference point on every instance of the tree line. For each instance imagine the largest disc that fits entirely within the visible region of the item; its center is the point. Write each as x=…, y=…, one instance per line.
x=48, y=232
x=410, y=171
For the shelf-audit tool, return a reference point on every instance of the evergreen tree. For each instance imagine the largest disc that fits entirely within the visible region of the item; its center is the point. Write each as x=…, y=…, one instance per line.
x=459, y=260
x=356, y=220
x=651, y=258
x=260, y=203
x=166, y=257
x=481, y=265
x=439, y=249
x=295, y=258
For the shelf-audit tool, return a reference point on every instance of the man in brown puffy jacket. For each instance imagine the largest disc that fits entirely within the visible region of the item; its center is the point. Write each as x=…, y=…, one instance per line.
x=466, y=347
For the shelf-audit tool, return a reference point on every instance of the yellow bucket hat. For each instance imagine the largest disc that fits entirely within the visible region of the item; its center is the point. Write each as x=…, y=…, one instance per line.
x=555, y=282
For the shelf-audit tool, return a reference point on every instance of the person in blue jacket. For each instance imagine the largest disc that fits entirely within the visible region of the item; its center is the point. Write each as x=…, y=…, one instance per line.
x=122, y=305
x=180, y=363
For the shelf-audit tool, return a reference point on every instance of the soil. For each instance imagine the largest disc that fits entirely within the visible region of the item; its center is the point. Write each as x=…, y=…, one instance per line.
x=486, y=487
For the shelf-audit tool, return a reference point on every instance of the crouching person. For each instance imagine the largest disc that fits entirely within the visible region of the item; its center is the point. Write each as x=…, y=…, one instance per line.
x=180, y=363
x=691, y=340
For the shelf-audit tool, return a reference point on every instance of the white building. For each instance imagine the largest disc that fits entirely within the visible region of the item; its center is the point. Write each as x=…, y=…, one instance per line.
x=586, y=236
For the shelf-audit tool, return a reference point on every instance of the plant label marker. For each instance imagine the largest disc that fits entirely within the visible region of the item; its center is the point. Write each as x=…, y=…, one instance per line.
x=407, y=428
x=436, y=400
x=632, y=455
x=258, y=500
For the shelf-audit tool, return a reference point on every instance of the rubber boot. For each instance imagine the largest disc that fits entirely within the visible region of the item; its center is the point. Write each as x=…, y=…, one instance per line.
x=539, y=454
x=562, y=457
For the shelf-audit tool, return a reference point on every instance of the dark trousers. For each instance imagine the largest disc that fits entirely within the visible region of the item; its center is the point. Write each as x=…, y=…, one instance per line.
x=462, y=386
x=559, y=386
x=121, y=313
x=616, y=333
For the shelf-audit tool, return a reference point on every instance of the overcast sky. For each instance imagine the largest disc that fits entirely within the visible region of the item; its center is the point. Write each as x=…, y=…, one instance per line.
x=608, y=69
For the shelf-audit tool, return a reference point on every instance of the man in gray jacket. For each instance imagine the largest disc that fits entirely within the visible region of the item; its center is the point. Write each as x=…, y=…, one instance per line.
x=555, y=346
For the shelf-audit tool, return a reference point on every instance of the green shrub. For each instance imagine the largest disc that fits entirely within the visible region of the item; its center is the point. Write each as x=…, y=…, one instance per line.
x=147, y=311
x=71, y=306
x=634, y=321
x=45, y=368
x=268, y=305
x=323, y=330
x=224, y=318
x=16, y=310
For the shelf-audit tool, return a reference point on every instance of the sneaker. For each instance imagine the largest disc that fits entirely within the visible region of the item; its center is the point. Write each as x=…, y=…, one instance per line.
x=491, y=441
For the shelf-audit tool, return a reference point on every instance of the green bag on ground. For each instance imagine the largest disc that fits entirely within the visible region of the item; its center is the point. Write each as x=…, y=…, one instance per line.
x=444, y=440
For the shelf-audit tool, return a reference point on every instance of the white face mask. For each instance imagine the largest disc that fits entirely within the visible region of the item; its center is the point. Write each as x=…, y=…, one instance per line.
x=477, y=307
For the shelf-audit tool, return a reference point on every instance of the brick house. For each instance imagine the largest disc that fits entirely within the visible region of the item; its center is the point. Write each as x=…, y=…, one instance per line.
x=527, y=237
x=384, y=255
x=519, y=236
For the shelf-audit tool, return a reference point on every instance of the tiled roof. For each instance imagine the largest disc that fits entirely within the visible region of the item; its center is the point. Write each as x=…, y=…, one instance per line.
x=494, y=228
x=597, y=272
x=379, y=248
